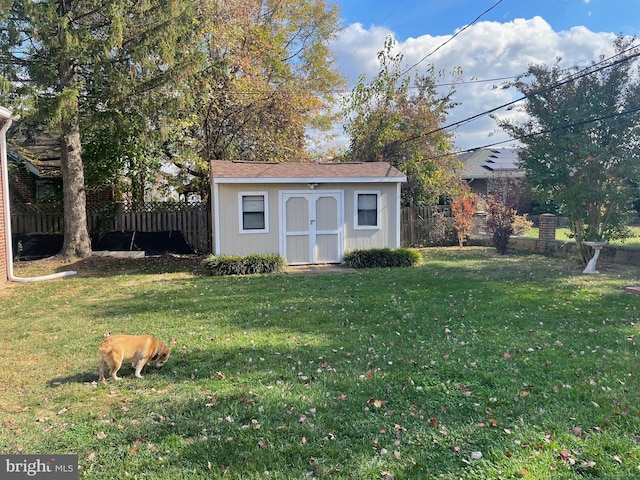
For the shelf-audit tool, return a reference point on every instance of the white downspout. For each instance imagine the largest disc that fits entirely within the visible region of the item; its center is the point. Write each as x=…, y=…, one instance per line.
x=5, y=115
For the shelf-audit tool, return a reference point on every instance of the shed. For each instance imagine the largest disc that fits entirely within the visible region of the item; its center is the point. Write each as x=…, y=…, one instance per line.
x=308, y=213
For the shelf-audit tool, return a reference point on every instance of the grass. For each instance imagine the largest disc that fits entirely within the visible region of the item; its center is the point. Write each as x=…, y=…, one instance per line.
x=468, y=366
x=565, y=234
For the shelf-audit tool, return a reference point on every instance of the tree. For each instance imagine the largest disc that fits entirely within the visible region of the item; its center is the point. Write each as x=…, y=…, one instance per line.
x=394, y=120
x=500, y=218
x=71, y=59
x=581, y=141
x=463, y=208
x=268, y=78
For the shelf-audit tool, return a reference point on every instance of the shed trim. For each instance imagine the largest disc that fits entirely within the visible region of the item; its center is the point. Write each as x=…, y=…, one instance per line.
x=307, y=180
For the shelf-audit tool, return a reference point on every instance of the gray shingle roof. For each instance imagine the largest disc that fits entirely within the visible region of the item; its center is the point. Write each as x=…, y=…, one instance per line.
x=491, y=163
x=230, y=172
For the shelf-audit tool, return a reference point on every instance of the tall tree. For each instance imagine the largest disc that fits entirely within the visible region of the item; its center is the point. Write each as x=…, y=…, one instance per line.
x=269, y=77
x=581, y=141
x=396, y=120
x=79, y=58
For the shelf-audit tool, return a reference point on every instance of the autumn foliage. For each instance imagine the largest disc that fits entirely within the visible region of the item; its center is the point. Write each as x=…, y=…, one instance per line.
x=463, y=208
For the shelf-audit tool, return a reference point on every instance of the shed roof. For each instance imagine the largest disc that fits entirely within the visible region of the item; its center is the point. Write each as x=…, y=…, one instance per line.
x=258, y=172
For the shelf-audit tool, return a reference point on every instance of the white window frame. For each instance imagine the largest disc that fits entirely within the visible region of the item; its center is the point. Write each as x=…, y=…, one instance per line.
x=378, y=195
x=265, y=195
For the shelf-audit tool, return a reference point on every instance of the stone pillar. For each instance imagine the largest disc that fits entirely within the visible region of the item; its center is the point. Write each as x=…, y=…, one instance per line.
x=547, y=229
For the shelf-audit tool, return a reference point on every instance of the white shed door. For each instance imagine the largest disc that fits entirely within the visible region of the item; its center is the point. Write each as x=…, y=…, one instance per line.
x=312, y=227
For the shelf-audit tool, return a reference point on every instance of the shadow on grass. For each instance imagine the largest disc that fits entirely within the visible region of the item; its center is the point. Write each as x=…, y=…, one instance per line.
x=100, y=267
x=126, y=373
x=81, y=377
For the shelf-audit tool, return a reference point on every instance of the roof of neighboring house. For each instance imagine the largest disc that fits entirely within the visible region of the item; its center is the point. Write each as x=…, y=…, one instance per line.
x=491, y=163
x=40, y=153
x=258, y=172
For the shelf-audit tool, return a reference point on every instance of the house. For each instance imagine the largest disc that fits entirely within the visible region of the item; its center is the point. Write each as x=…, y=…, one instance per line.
x=35, y=176
x=486, y=170
x=308, y=213
x=35, y=169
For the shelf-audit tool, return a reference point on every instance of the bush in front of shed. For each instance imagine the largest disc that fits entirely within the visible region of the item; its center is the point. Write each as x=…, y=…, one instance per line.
x=251, y=264
x=382, y=257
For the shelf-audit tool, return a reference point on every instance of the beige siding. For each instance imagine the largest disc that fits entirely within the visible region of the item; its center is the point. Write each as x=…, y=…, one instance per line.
x=385, y=236
x=232, y=242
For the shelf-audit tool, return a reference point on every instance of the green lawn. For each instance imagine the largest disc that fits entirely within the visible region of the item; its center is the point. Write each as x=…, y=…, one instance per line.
x=565, y=234
x=468, y=366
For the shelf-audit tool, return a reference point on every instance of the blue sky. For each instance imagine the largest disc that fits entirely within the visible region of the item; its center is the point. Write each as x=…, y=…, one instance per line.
x=504, y=42
x=413, y=18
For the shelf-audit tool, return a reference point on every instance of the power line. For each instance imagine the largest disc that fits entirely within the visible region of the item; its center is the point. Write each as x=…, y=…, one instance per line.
x=580, y=74
x=543, y=132
x=370, y=34
x=451, y=38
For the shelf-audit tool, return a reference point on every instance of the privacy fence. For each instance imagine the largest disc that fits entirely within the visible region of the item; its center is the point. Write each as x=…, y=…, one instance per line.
x=192, y=220
x=420, y=226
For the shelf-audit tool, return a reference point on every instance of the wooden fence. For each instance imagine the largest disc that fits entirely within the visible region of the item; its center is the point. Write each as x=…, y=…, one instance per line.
x=193, y=221
x=417, y=224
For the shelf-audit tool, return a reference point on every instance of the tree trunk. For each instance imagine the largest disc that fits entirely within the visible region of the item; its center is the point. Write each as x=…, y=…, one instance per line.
x=77, y=243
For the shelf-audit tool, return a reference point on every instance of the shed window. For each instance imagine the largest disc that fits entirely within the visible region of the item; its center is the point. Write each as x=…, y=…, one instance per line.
x=253, y=212
x=367, y=213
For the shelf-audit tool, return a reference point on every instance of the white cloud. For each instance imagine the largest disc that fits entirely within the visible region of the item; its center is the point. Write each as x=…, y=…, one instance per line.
x=485, y=50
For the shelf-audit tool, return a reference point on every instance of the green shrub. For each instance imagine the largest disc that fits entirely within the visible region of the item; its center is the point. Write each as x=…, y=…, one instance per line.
x=382, y=257
x=235, y=265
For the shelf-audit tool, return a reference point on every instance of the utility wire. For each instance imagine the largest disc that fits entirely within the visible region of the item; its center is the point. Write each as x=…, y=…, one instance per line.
x=370, y=34
x=582, y=73
x=543, y=132
x=451, y=38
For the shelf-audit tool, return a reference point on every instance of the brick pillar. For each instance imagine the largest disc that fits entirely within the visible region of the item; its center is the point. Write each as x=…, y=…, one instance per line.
x=547, y=228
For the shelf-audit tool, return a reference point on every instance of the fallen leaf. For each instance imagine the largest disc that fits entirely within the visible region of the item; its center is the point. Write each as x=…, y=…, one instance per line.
x=377, y=403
